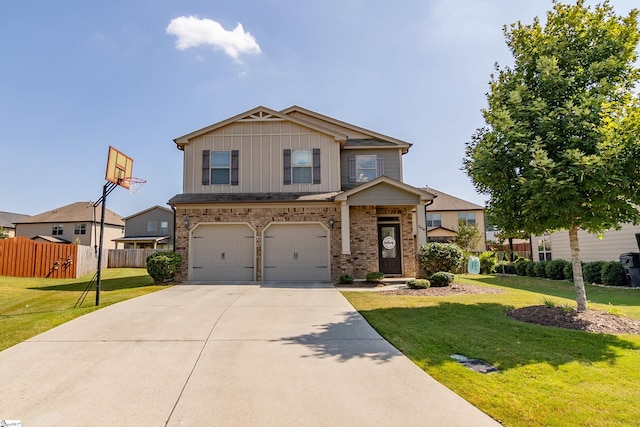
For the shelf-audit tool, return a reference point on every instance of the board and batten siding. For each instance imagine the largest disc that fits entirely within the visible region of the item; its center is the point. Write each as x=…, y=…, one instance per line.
x=609, y=248
x=260, y=145
x=387, y=194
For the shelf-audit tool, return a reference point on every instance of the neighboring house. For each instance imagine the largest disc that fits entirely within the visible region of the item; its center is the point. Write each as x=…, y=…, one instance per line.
x=295, y=195
x=607, y=247
x=75, y=223
x=444, y=214
x=151, y=228
x=8, y=222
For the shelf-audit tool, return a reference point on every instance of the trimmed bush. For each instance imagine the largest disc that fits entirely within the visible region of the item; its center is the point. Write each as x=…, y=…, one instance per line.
x=441, y=279
x=418, y=284
x=521, y=266
x=531, y=269
x=555, y=269
x=487, y=260
x=540, y=269
x=504, y=267
x=592, y=271
x=568, y=271
x=613, y=274
x=435, y=257
x=346, y=279
x=163, y=266
x=375, y=277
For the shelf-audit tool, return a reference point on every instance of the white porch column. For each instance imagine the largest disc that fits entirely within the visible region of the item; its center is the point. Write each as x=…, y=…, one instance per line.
x=346, y=225
x=422, y=224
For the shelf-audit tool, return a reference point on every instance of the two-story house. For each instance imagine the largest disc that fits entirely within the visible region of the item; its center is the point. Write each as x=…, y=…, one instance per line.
x=75, y=223
x=295, y=195
x=8, y=222
x=151, y=228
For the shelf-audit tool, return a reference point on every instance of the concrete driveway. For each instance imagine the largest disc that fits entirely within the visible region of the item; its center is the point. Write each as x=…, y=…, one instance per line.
x=223, y=355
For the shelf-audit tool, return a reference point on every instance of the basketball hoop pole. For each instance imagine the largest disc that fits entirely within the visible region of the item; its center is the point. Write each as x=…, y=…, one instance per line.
x=106, y=190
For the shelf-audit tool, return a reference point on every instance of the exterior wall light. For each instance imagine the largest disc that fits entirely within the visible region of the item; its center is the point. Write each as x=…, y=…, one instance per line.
x=186, y=222
x=331, y=222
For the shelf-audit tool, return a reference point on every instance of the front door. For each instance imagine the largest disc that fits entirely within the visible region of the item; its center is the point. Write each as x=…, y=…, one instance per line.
x=389, y=248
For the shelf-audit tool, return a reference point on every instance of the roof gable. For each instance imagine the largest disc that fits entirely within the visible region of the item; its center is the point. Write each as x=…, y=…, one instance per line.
x=340, y=126
x=142, y=212
x=447, y=202
x=385, y=180
x=257, y=114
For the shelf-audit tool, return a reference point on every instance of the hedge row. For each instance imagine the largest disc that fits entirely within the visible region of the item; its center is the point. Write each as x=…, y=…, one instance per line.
x=610, y=273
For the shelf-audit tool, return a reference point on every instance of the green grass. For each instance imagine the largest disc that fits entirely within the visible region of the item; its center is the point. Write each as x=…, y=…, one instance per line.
x=30, y=306
x=548, y=376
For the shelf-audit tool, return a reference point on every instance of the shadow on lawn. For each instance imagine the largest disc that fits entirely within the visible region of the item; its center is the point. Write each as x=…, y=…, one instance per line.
x=562, y=289
x=345, y=340
x=483, y=331
x=105, y=285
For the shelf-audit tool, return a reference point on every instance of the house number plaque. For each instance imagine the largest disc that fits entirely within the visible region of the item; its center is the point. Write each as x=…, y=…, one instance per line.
x=389, y=242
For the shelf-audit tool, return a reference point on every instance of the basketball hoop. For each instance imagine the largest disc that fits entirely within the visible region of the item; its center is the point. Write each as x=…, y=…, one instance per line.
x=132, y=183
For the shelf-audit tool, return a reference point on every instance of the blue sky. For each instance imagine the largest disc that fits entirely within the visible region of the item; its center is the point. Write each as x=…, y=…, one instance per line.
x=78, y=76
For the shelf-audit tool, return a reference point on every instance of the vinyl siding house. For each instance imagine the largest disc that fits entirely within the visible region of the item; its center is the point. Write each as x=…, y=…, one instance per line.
x=295, y=195
x=8, y=220
x=444, y=214
x=74, y=223
x=151, y=228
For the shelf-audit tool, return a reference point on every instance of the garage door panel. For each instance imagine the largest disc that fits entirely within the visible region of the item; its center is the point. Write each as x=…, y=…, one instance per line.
x=223, y=252
x=296, y=252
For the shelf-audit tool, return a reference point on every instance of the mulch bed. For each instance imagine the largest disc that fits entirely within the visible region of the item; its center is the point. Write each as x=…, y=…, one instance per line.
x=453, y=289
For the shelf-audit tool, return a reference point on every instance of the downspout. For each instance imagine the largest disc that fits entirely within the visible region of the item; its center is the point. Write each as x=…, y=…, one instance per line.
x=426, y=205
x=173, y=208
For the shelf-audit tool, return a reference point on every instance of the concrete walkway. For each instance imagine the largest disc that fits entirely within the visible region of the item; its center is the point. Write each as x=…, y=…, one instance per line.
x=223, y=355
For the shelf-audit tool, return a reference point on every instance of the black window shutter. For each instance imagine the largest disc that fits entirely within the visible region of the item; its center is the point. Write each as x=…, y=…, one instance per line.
x=287, y=166
x=316, y=166
x=380, y=161
x=352, y=168
x=235, y=154
x=205, y=167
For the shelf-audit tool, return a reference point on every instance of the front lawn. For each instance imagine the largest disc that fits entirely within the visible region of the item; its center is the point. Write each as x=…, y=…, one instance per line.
x=548, y=376
x=30, y=306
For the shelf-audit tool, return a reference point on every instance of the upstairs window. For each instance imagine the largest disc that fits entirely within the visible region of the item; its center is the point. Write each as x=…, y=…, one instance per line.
x=80, y=229
x=434, y=220
x=365, y=167
x=220, y=167
x=164, y=227
x=469, y=218
x=152, y=226
x=57, y=230
x=301, y=166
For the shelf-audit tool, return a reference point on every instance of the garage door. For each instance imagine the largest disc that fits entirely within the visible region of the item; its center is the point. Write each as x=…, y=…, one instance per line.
x=296, y=252
x=222, y=252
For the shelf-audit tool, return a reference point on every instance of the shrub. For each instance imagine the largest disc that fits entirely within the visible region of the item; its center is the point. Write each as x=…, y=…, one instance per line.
x=163, y=266
x=555, y=269
x=521, y=266
x=346, y=279
x=613, y=274
x=540, y=269
x=568, y=271
x=441, y=279
x=504, y=267
x=436, y=257
x=592, y=271
x=487, y=260
x=531, y=269
x=375, y=277
x=418, y=284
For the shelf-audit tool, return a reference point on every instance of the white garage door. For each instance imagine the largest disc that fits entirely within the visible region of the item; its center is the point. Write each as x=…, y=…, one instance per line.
x=296, y=252
x=222, y=252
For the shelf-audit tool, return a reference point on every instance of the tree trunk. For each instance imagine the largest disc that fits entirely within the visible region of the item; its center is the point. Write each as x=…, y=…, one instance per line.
x=578, y=281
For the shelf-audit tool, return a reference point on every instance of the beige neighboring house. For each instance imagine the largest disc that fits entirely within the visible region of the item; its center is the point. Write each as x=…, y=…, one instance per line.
x=607, y=247
x=151, y=228
x=444, y=214
x=8, y=222
x=295, y=195
x=74, y=223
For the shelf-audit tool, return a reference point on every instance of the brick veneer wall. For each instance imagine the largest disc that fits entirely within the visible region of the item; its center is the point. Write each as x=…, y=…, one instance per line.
x=364, y=233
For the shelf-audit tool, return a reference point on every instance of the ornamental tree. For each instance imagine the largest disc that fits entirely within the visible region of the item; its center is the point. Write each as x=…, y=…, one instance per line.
x=561, y=146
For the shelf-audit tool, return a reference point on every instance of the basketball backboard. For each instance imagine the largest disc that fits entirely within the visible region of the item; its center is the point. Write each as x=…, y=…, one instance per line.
x=119, y=167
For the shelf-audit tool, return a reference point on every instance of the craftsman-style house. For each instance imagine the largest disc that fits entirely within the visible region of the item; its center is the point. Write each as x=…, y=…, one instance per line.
x=295, y=195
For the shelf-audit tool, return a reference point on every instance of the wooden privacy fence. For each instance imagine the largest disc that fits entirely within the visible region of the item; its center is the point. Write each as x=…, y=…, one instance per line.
x=22, y=257
x=129, y=258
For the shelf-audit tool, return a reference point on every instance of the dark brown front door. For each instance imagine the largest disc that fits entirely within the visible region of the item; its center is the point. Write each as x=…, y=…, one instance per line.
x=389, y=248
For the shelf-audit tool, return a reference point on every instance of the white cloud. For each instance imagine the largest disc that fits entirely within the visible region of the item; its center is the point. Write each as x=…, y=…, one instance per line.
x=192, y=31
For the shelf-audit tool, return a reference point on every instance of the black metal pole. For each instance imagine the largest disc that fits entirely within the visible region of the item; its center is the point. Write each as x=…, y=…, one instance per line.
x=98, y=281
